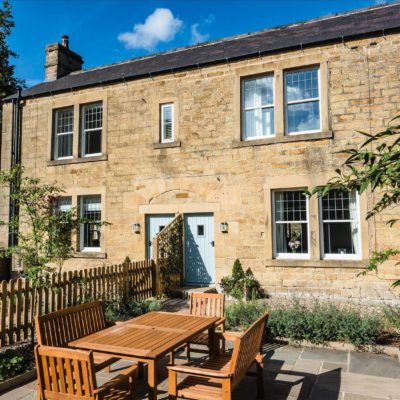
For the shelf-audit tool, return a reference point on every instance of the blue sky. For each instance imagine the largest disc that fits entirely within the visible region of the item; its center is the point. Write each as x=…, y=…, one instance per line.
x=106, y=31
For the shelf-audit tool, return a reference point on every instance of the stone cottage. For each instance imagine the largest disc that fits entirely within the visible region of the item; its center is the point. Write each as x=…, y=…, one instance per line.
x=228, y=134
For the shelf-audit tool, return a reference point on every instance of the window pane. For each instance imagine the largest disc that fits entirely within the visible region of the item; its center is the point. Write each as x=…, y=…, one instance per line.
x=258, y=92
x=290, y=206
x=291, y=238
x=64, y=120
x=303, y=117
x=93, y=142
x=64, y=204
x=339, y=205
x=340, y=238
x=167, y=124
x=259, y=123
x=93, y=116
x=64, y=146
x=302, y=85
x=90, y=230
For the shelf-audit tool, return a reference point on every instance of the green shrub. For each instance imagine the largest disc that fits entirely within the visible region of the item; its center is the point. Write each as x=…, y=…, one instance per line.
x=118, y=310
x=240, y=283
x=321, y=323
x=240, y=315
x=391, y=315
x=12, y=363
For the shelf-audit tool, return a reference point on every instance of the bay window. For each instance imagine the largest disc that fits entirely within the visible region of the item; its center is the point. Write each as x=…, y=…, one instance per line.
x=258, y=107
x=340, y=230
x=290, y=224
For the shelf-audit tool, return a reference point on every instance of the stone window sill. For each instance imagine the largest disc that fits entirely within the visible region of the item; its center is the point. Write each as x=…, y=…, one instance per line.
x=90, y=254
x=290, y=263
x=284, y=139
x=79, y=160
x=177, y=143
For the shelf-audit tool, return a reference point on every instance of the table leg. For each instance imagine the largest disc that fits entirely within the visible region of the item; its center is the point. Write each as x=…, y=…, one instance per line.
x=152, y=379
x=211, y=341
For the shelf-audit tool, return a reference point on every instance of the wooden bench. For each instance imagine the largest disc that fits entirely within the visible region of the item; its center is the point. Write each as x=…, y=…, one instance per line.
x=206, y=305
x=58, y=328
x=70, y=374
x=220, y=374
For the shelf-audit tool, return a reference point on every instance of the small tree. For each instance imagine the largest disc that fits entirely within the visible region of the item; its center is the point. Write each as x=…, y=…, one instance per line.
x=43, y=231
x=378, y=169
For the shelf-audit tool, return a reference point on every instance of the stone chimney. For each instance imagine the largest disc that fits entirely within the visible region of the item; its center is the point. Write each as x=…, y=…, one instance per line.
x=60, y=60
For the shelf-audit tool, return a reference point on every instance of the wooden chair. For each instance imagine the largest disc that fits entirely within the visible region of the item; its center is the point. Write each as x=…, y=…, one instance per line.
x=69, y=374
x=220, y=374
x=59, y=328
x=206, y=305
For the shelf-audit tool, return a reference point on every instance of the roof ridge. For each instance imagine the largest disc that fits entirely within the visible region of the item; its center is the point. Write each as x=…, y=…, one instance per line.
x=240, y=36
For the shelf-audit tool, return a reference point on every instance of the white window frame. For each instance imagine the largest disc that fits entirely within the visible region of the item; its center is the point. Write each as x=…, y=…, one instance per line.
x=263, y=106
x=292, y=256
x=337, y=256
x=83, y=130
x=162, y=124
x=82, y=226
x=311, y=100
x=57, y=135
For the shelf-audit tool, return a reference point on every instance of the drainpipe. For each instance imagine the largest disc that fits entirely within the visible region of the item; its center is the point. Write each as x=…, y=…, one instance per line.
x=15, y=160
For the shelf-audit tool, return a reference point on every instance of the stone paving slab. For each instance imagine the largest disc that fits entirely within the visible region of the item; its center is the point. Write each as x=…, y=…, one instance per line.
x=369, y=364
x=290, y=373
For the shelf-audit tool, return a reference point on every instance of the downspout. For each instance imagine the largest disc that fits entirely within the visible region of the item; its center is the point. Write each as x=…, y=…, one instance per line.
x=15, y=160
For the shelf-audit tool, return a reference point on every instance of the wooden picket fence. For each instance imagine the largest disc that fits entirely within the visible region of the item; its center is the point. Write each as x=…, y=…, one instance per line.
x=136, y=280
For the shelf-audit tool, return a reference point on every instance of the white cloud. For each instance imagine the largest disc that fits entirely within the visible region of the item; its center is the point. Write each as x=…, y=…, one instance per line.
x=197, y=37
x=160, y=26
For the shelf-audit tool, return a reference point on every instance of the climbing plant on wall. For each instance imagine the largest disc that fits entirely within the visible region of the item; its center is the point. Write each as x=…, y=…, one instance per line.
x=170, y=253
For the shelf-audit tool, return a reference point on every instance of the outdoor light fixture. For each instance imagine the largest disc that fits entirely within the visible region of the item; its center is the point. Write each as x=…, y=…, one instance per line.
x=223, y=227
x=136, y=228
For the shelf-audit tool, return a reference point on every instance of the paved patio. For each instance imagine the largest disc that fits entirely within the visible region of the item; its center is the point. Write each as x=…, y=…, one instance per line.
x=293, y=373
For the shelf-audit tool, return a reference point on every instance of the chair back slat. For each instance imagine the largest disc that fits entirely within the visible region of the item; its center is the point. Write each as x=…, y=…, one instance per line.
x=207, y=304
x=61, y=327
x=247, y=347
x=65, y=373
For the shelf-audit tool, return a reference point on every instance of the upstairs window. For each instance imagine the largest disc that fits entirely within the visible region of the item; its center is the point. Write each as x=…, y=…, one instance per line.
x=258, y=108
x=290, y=213
x=63, y=133
x=92, y=126
x=167, y=123
x=302, y=97
x=90, y=230
x=340, y=225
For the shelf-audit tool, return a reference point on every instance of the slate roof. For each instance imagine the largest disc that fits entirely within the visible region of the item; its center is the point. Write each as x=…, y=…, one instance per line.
x=360, y=23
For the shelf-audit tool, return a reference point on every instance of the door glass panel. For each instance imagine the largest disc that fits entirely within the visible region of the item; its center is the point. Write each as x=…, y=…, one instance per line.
x=200, y=230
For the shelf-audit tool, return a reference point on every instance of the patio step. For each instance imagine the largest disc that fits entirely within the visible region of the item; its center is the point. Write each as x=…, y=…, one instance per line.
x=185, y=291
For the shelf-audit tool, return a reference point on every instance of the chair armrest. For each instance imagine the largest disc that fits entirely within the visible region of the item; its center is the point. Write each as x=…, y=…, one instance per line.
x=198, y=371
x=124, y=375
x=221, y=321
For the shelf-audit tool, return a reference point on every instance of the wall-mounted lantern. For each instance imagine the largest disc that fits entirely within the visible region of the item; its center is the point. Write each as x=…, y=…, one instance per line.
x=136, y=228
x=223, y=227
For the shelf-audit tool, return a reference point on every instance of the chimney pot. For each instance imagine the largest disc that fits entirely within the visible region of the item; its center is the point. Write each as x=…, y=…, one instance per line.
x=65, y=41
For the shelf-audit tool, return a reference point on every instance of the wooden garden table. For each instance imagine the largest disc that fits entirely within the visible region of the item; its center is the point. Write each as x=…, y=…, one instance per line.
x=148, y=338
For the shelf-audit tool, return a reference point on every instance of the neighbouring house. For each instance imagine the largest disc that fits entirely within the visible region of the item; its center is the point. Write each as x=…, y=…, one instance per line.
x=228, y=134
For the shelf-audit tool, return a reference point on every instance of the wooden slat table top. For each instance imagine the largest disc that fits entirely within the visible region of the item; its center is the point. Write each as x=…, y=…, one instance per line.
x=149, y=336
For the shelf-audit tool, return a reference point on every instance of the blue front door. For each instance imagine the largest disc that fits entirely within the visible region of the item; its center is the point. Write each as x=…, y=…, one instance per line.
x=154, y=225
x=199, y=249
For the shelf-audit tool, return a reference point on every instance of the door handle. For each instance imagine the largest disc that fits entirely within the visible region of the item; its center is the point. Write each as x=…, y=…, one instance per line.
x=212, y=243
x=150, y=243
